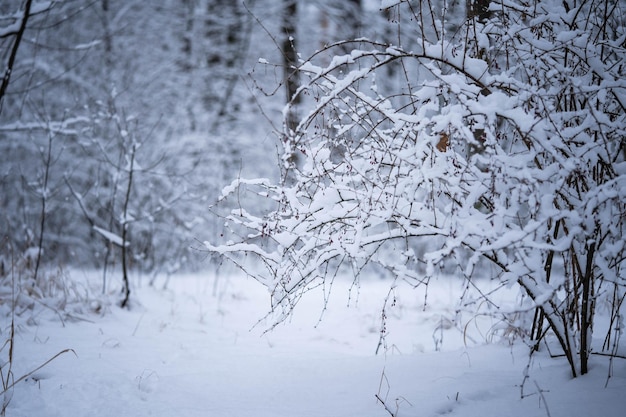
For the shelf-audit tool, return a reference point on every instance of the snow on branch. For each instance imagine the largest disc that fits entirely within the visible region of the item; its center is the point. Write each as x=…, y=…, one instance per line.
x=111, y=237
x=504, y=147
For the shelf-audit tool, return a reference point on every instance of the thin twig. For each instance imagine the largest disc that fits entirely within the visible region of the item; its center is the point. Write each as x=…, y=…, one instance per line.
x=23, y=377
x=543, y=399
x=385, y=406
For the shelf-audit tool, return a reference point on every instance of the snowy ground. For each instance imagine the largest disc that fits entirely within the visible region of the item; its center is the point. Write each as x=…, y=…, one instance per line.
x=195, y=351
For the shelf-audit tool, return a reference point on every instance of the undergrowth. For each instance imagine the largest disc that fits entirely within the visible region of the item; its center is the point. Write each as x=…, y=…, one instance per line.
x=24, y=298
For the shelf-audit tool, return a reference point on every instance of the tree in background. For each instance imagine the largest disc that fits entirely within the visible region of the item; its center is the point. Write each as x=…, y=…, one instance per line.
x=290, y=60
x=89, y=79
x=13, y=30
x=82, y=70
x=85, y=95
x=34, y=136
x=502, y=150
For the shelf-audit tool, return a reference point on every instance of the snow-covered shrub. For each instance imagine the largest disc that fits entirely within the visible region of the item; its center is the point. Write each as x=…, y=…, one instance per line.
x=502, y=147
x=24, y=296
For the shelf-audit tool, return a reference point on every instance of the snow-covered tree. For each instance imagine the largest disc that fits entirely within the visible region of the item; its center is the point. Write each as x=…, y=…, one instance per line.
x=503, y=147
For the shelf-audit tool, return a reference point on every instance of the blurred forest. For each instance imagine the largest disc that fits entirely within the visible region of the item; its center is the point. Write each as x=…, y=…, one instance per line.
x=121, y=121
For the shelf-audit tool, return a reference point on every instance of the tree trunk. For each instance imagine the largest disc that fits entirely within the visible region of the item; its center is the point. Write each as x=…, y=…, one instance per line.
x=126, y=289
x=18, y=39
x=44, y=200
x=478, y=9
x=353, y=15
x=586, y=310
x=290, y=60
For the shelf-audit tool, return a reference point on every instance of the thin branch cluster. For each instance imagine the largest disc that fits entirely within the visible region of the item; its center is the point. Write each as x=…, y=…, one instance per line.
x=503, y=145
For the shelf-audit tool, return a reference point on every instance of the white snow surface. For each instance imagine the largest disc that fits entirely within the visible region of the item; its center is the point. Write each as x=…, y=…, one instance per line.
x=194, y=350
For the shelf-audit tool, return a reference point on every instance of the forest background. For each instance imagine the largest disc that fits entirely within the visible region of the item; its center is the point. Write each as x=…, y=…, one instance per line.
x=123, y=120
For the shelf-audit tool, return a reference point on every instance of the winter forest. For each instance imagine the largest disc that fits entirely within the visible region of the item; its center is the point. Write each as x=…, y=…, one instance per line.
x=312, y=208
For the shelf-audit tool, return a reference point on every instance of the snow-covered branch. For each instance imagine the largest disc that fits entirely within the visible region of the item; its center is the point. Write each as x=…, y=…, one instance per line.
x=506, y=147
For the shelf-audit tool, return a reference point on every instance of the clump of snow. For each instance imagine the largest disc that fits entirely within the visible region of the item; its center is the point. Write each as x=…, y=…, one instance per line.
x=111, y=237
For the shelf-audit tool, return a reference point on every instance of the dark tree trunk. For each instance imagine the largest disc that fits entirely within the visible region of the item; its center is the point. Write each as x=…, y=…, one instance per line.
x=18, y=39
x=290, y=55
x=478, y=9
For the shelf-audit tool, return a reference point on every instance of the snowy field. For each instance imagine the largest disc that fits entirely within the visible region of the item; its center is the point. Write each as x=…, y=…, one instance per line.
x=199, y=349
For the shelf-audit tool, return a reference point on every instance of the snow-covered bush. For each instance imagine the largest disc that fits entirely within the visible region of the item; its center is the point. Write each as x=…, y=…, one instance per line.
x=503, y=146
x=24, y=296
